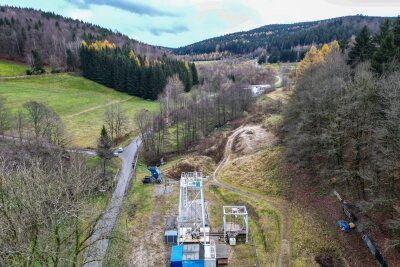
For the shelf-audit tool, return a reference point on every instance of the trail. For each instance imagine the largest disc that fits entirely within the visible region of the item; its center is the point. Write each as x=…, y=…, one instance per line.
x=97, y=107
x=284, y=258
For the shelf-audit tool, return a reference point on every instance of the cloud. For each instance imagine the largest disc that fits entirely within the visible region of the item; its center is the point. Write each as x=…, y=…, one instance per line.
x=137, y=8
x=157, y=31
x=380, y=3
x=81, y=14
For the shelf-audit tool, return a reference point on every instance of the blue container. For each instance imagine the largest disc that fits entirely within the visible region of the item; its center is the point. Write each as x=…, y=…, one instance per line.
x=176, y=256
x=199, y=263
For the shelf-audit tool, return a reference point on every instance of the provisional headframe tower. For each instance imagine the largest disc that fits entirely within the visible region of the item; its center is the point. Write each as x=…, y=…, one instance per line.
x=192, y=210
x=236, y=224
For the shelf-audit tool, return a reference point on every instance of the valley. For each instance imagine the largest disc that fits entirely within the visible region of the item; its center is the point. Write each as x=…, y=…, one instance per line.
x=275, y=146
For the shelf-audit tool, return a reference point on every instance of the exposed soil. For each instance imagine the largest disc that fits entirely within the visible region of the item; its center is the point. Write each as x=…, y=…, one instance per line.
x=252, y=139
x=197, y=163
x=148, y=248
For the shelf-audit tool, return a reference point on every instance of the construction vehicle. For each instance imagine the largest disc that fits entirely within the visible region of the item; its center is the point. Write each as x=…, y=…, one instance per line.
x=155, y=177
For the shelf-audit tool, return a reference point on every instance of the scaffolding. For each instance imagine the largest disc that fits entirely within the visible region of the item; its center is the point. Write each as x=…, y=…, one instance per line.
x=192, y=213
x=236, y=223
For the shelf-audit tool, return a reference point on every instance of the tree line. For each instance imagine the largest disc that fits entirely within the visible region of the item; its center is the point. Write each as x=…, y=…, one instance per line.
x=185, y=119
x=343, y=123
x=127, y=72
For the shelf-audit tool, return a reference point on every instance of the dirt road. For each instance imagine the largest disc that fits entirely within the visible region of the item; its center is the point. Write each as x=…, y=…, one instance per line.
x=284, y=258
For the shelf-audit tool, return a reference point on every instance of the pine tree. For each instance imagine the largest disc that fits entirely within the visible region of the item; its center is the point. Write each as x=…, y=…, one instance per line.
x=363, y=48
x=36, y=62
x=125, y=71
x=262, y=58
x=344, y=44
x=195, y=76
x=384, y=30
x=384, y=55
x=104, y=149
x=396, y=37
x=70, y=60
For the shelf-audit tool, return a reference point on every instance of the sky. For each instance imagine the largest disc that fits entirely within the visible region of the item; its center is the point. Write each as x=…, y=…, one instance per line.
x=174, y=23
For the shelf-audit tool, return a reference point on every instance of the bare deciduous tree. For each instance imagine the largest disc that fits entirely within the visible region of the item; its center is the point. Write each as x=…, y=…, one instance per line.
x=45, y=123
x=116, y=120
x=45, y=220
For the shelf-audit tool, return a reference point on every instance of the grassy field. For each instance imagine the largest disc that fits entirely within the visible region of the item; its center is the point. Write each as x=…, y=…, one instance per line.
x=263, y=223
x=8, y=68
x=80, y=102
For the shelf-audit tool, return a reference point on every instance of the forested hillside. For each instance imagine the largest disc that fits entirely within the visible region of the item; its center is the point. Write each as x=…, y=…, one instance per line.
x=123, y=70
x=283, y=42
x=342, y=125
x=23, y=29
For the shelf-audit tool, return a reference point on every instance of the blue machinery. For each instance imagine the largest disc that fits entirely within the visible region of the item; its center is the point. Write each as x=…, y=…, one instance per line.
x=154, y=178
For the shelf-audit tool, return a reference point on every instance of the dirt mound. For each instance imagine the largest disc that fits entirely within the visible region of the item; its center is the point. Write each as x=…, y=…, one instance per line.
x=190, y=164
x=252, y=139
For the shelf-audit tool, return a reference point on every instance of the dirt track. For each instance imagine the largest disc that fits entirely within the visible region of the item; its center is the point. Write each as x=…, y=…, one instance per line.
x=285, y=232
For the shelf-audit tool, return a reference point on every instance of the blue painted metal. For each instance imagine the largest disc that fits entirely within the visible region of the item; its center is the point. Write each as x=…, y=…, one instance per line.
x=176, y=256
x=154, y=172
x=199, y=263
x=343, y=226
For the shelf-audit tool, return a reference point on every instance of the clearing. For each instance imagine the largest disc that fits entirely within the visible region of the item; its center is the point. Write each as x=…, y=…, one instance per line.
x=80, y=102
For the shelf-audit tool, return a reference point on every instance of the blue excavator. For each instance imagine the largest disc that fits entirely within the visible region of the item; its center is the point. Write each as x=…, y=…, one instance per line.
x=155, y=177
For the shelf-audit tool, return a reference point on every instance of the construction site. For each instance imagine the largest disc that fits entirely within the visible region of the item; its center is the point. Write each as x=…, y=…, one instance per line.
x=192, y=242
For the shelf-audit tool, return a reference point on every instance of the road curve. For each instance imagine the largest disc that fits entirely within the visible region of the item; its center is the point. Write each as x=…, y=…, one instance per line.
x=284, y=258
x=99, y=241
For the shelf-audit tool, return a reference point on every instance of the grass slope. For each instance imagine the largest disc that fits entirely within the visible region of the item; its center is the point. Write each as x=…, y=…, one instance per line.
x=8, y=68
x=80, y=102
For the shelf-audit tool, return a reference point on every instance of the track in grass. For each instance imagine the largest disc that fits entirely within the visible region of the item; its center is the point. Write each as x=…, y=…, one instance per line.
x=80, y=102
x=284, y=258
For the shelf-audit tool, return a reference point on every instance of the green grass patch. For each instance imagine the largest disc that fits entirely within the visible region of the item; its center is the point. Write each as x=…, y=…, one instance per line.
x=273, y=122
x=264, y=224
x=80, y=102
x=8, y=68
x=259, y=173
x=310, y=237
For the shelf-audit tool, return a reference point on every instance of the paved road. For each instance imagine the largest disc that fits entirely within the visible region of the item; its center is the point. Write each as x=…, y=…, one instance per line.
x=95, y=253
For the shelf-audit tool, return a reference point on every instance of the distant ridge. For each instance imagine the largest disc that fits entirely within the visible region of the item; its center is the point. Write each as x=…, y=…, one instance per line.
x=284, y=42
x=22, y=29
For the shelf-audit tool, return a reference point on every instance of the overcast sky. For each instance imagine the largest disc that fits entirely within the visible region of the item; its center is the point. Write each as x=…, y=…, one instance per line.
x=174, y=23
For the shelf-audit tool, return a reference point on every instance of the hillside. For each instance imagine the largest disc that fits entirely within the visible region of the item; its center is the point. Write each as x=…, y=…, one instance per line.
x=80, y=102
x=284, y=42
x=22, y=29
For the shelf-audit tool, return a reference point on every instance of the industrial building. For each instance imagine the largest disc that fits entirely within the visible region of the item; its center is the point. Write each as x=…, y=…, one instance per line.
x=190, y=231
